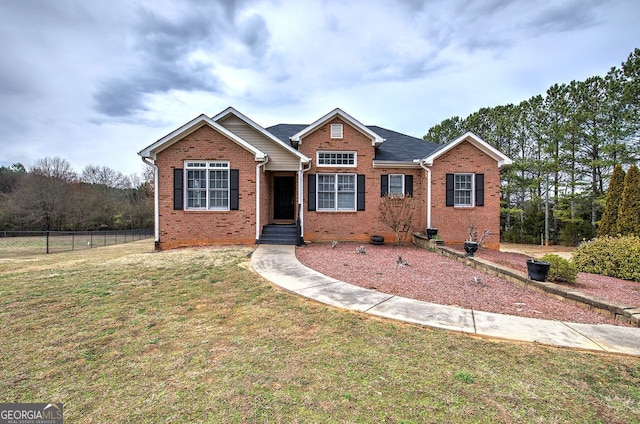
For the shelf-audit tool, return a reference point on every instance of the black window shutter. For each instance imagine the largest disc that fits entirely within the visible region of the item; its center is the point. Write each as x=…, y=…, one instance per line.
x=234, y=189
x=450, y=190
x=384, y=185
x=178, y=194
x=361, y=187
x=479, y=189
x=408, y=185
x=311, y=192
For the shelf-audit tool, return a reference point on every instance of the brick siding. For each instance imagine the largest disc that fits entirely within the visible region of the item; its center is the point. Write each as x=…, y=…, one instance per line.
x=453, y=222
x=190, y=228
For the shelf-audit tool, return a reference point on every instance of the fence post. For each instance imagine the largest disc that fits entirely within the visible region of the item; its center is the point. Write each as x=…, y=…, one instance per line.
x=73, y=242
x=47, y=249
x=91, y=239
x=105, y=238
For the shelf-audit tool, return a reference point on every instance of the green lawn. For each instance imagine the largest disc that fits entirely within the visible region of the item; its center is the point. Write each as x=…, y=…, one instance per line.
x=121, y=334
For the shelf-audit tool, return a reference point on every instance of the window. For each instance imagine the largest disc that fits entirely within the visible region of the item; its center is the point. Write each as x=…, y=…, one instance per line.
x=336, y=130
x=463, y=190
x=207, y=185
x=336, y=192
x=336, y=158
x=396, y=185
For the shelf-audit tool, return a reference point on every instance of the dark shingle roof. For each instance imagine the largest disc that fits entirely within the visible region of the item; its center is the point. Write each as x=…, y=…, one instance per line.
x=397, y=147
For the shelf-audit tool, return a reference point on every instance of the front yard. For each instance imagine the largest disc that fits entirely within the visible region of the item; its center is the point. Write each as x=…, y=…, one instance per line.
x=121, y=334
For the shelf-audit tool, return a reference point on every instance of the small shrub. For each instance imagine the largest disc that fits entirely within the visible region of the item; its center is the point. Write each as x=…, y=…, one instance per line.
x=561, y=270
x=612, y=256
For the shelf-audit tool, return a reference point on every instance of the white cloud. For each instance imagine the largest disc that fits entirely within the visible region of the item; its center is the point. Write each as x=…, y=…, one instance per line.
x=95, y=82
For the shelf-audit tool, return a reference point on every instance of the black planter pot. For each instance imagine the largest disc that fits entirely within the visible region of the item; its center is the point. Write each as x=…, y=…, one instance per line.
x=379, y=240
x=470, y=247
x=431, y=232
x=537, y=270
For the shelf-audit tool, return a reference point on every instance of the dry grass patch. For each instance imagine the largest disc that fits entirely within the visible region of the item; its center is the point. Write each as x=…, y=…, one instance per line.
x=122, y=334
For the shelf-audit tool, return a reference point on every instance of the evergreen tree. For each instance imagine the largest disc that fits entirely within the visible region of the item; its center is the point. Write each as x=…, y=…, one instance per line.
x=609, y=222
x=629, y=212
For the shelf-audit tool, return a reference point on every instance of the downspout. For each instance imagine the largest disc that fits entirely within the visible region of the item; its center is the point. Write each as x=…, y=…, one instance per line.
x=426, y=168
x=258, y=166
x=301, y=172
x=156, y=202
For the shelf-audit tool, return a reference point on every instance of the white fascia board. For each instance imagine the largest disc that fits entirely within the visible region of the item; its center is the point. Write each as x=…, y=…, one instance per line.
x=477, y=142
x=232, y=111
x=191, y=126
x=376, y=140
x=396, y=164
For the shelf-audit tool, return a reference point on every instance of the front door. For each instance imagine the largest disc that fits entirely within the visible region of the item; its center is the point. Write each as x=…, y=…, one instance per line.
x=284, y=197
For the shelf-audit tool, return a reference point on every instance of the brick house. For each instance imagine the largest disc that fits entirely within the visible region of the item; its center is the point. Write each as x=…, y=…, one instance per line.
x=227, y=180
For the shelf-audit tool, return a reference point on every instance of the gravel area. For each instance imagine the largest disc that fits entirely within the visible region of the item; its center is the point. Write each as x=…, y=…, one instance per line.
x=622, y=291
x=434, y=278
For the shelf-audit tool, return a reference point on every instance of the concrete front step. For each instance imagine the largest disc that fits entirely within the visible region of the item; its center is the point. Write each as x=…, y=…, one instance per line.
x=279, y=234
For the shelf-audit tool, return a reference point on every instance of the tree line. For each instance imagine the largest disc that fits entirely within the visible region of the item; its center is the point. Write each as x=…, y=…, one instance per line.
x=52, y=196
x=564, y=145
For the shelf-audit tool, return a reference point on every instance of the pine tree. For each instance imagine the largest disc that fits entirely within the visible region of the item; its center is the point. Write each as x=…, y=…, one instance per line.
x=609, y=222
x=629, y=212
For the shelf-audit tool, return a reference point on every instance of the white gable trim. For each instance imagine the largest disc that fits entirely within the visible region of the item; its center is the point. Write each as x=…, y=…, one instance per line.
x=190, y=127
x=475, y=141
x=232, y=111
x=376, y=140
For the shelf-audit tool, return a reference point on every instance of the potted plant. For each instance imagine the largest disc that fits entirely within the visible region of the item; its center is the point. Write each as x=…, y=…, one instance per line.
x=473, y=243
x=470, y=247
x=537, y=269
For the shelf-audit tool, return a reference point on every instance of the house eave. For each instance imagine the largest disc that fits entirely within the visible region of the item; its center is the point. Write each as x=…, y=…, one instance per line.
x=232, y=111
x=395, y=164
x=195, y=124
x=376, y=140
x=477, y=142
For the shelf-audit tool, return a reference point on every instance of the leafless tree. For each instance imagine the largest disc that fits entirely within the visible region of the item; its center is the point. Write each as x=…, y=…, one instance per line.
x=397, y=212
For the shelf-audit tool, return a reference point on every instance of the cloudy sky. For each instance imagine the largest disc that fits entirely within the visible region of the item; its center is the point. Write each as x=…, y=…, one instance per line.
x=94, y=82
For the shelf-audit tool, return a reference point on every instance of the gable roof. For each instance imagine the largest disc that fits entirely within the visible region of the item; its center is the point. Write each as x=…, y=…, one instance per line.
x=475, y=141
x=376, y=140
x=287, y=146
x=397, y=147
x=152, y=150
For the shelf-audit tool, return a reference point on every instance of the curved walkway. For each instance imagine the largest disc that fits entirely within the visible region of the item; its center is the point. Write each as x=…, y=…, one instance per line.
x=279, y=265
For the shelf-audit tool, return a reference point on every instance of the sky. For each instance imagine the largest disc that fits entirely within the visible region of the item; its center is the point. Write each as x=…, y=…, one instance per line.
x=94, y=82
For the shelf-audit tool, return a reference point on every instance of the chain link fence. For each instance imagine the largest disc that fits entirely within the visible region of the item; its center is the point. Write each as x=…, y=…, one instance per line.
x=18, y=243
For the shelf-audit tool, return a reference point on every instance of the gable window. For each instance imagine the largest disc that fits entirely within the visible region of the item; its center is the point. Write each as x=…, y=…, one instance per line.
x=336, y=192
x=465, y=190
x=207, y=185
x=337, y=158
x=336, y=130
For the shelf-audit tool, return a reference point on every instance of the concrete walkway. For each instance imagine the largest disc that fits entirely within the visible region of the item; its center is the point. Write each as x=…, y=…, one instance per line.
x=279, y=265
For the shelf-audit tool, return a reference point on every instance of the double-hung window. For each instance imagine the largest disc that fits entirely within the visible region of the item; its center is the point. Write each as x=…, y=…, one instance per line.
x=396, y=185
x=207, y=185
x=336, y=192
x=463, y=189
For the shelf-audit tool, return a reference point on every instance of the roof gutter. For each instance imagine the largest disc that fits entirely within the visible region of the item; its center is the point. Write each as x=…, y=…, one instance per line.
x=156, y=200
x=258, y=166
x=301, y=172
x=426, y=168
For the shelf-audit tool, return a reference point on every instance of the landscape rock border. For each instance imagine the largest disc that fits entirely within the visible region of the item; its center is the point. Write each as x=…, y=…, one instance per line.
x=625, y=313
